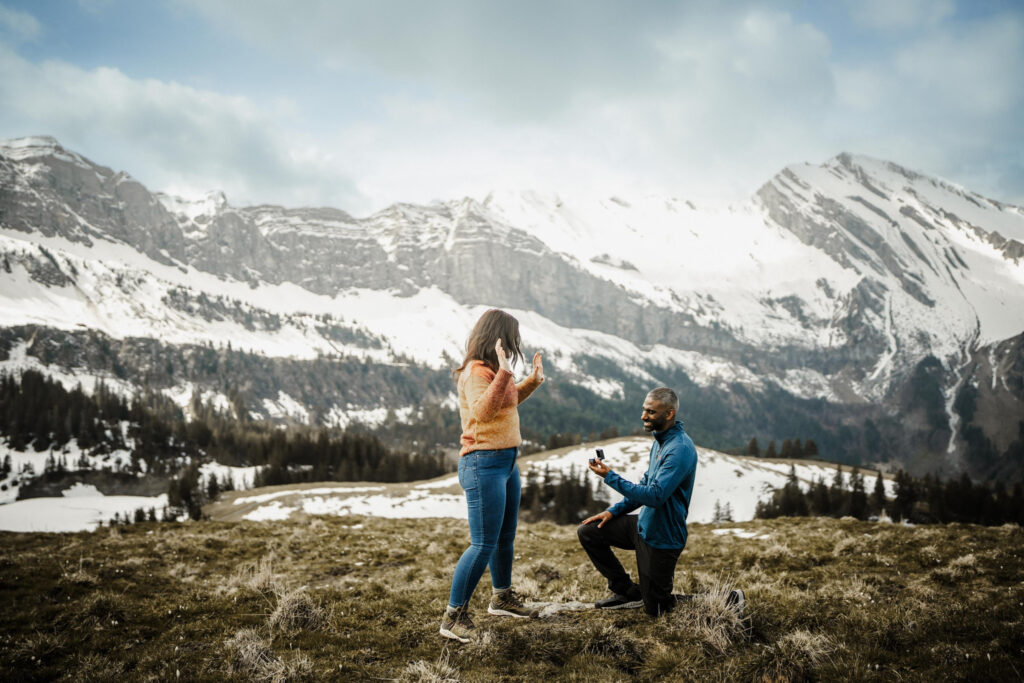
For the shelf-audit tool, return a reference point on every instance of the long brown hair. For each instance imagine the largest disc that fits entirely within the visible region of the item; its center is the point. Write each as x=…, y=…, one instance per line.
x=493, y=325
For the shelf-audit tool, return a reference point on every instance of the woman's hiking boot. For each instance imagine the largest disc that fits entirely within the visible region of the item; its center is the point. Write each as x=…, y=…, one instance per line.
x=505, y=603
x=457, y=625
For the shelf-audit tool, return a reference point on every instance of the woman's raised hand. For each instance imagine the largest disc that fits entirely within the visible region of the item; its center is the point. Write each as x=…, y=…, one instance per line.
x=538, y=367
x=503, y=363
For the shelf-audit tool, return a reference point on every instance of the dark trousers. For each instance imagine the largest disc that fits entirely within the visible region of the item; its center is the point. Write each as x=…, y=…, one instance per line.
x=656, y=566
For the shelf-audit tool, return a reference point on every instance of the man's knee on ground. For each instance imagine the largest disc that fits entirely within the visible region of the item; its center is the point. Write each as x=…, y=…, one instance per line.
x=588, y=533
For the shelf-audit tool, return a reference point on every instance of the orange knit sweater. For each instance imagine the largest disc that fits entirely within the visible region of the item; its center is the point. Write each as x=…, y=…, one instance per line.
x=488, y=406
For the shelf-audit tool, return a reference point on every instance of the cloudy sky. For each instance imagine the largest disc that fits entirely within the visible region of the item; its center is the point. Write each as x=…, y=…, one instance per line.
x=359, y=104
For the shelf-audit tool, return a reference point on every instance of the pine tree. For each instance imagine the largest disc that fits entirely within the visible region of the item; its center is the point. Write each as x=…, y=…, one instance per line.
x=810, y=449
x=212, y=487
x=877, y=503
x=858, y=497
x=792, y=502
x=787, y=449
x=770, y=453
x=753, y=449
x=906, y=495
x=820, y=501
x=838, y=497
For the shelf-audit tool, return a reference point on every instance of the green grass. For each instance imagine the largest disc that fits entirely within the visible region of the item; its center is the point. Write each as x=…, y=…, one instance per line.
x=323, y=599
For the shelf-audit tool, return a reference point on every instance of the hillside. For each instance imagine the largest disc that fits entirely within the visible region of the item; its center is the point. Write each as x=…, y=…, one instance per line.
x=738, y=481
x=722, y=479
x=354, y=598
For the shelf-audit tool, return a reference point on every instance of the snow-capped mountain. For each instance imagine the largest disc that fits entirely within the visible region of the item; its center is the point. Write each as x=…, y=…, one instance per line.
x=849, y=302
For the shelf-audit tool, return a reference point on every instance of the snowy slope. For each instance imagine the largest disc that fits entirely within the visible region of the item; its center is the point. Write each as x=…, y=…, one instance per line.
x=721, y=479
x=122, y=293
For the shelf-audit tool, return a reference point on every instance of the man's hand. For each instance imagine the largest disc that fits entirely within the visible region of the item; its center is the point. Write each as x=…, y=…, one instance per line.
x=598, y=467
x=604, y=517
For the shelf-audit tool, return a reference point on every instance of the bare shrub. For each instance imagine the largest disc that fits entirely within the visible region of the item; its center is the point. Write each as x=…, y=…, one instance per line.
x=296, y=610
x=431, y=672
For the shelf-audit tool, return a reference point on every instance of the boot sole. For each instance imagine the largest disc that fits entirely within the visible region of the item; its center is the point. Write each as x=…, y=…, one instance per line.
x=506, y=613
x=740, y=603
x=625, y=605
x=448, y=634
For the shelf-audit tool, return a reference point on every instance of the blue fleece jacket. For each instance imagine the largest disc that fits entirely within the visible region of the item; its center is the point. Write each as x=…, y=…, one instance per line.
x=664, y=491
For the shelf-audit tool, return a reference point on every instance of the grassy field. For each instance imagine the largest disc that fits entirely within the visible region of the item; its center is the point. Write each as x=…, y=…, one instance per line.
x=360, y=599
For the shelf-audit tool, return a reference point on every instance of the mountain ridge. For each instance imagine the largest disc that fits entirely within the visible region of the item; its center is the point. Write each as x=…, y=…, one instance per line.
x=835, y=282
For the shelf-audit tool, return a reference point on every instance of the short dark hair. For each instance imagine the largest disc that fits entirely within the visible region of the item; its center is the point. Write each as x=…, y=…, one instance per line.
x=665, y=397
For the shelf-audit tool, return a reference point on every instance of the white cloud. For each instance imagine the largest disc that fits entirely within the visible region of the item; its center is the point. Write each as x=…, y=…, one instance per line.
x=419, y=101
x=899, y=14
x=944, y=103
x=20, y=25
x=170, y=135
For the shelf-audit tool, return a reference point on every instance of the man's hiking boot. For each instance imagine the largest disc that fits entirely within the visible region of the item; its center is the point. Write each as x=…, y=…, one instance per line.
x=457, y=625
x=507, y=604
x=737, y=599
x=616, y=601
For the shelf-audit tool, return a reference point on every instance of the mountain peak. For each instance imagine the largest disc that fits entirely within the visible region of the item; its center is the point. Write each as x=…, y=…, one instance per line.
x=38, y=146
x=37, y=141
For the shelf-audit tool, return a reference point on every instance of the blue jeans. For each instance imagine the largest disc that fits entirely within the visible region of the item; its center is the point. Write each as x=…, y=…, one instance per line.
x=491, y=482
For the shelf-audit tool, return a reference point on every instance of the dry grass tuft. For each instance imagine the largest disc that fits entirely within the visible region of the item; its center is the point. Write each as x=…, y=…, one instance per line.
x=796, y=655
x=715, y=624
x=296, y=611
x=626, y=649
x=776, y=551
x=257, y=577
x=965, y=564
x=79, y=576
x=431, y=672
x=961, y=567
x=251, y=656
x=930, y=556
x=846, y=546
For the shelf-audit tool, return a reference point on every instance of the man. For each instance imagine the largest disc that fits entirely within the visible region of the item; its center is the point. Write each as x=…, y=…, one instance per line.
x=658, y=533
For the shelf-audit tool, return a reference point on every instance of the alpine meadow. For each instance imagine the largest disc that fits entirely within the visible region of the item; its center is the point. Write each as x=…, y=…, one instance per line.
x=477, y=341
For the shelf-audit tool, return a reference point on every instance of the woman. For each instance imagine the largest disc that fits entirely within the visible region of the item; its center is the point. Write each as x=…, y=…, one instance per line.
x=488, y=400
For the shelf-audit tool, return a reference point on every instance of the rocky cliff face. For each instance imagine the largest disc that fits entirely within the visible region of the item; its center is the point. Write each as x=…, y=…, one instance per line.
x=853, y=283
